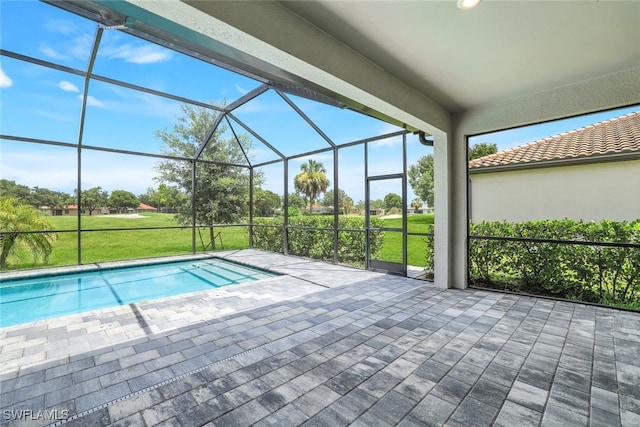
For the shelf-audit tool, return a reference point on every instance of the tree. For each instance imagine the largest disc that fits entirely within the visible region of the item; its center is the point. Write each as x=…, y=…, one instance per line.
x=328, y=199
x=416, y=204
x=169, y=198
x=17, y=216
x=482, y=149
x=312, y=181
x=122, y=199
x=376, y=204
x=392, y=200
x=221, y=191
x=421, y=178
x=149, y=197
x=421, y=174
x=347, y=204
x=265, y=202
x=45, y=197
x=296, y=201
x=36, y=196
x=13, y=190
x=93, y=198
x=166, y=198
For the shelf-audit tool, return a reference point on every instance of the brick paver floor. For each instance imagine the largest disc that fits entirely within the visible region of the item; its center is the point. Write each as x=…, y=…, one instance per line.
x=326, y=345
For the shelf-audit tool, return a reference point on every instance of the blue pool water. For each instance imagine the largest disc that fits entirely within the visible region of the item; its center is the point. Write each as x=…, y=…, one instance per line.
x=26, y=300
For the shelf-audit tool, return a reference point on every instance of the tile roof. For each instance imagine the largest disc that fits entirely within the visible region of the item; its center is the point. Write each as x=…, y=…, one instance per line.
x=615, y=136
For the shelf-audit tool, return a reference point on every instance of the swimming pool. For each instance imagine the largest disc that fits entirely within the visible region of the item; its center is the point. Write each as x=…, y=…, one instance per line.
x=43, y=297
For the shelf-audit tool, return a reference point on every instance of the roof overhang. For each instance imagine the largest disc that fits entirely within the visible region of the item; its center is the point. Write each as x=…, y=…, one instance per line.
x=574, y=161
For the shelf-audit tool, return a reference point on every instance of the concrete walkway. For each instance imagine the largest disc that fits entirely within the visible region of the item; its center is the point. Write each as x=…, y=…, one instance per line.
x=326, y=345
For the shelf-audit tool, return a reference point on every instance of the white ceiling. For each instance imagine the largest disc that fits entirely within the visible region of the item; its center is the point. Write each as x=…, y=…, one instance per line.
x=497, y=51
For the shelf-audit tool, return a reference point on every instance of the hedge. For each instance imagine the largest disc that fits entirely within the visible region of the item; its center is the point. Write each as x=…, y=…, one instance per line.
x=592, y=273
x=318, y=244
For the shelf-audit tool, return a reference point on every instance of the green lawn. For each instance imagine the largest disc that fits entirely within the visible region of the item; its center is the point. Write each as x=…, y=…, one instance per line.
x=100, y=246
x=416, y=245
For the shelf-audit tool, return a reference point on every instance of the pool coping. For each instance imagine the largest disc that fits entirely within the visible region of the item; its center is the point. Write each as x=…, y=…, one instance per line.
x=7, y=276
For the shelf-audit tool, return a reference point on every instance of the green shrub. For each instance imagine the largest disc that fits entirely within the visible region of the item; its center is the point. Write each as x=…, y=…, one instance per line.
x=267, y=234
x=590, y=273
x=306, y=241
x=294, y=211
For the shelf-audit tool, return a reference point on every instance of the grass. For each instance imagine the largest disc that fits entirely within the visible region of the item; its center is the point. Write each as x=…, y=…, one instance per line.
x=416, y=245
x=101, y=246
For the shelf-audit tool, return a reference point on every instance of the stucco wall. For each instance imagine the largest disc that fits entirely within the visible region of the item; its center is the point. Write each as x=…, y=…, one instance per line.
x=591, y=192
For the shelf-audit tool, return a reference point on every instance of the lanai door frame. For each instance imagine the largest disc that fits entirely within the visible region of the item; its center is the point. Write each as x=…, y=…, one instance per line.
x=376, y=264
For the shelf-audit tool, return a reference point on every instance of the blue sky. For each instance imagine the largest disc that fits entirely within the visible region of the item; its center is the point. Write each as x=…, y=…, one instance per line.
x=39, y=102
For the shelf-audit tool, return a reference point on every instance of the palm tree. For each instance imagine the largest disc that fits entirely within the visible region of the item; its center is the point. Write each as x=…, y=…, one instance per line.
x=416, y=204
x=16, y=217
x=347, y=204
x=311, y=181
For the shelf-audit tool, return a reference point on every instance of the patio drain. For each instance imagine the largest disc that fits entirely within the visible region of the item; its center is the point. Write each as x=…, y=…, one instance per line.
x=210, y=365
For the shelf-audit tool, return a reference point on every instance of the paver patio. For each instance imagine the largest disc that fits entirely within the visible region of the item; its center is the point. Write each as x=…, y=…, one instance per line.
x=326, y=345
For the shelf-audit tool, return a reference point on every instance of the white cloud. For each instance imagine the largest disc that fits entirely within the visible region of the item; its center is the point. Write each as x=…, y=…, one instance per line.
x=242, y=90
x=5, y=81
x=138, y=103
x=138, y=54
x=80, y=47
x=68, y=86
x=50, y=52
x=111, y=172
x=52, y=175
x=61, y=26
x=388, y=142
x=325, y=158
x=92, y=102
x=54, y=116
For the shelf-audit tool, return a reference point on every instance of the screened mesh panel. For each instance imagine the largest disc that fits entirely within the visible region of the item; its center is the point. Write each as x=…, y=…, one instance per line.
x=155, y=119
x=385, y=156
x=351, y=180
x=37, y=180
x=257, y=151
x=101, y=246
x=109, y=105
x=342, y=125
x=130, y=59
x=47, y=33
x=36, y=94
x=279, y=124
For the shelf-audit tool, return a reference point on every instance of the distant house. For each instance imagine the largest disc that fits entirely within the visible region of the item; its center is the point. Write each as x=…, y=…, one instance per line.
x=54, y=211
x=145, y=208
x=592, y=173
x=73, y=210
x=321, y=209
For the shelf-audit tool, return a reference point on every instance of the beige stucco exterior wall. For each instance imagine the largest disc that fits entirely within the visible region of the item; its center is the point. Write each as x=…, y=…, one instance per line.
x=589, y=192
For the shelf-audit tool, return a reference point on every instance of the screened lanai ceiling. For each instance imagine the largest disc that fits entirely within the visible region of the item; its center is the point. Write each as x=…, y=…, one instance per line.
x=135, y=72
x=86, y=77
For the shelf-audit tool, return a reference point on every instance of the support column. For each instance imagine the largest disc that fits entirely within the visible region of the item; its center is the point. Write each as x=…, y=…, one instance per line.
x=450, y=231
